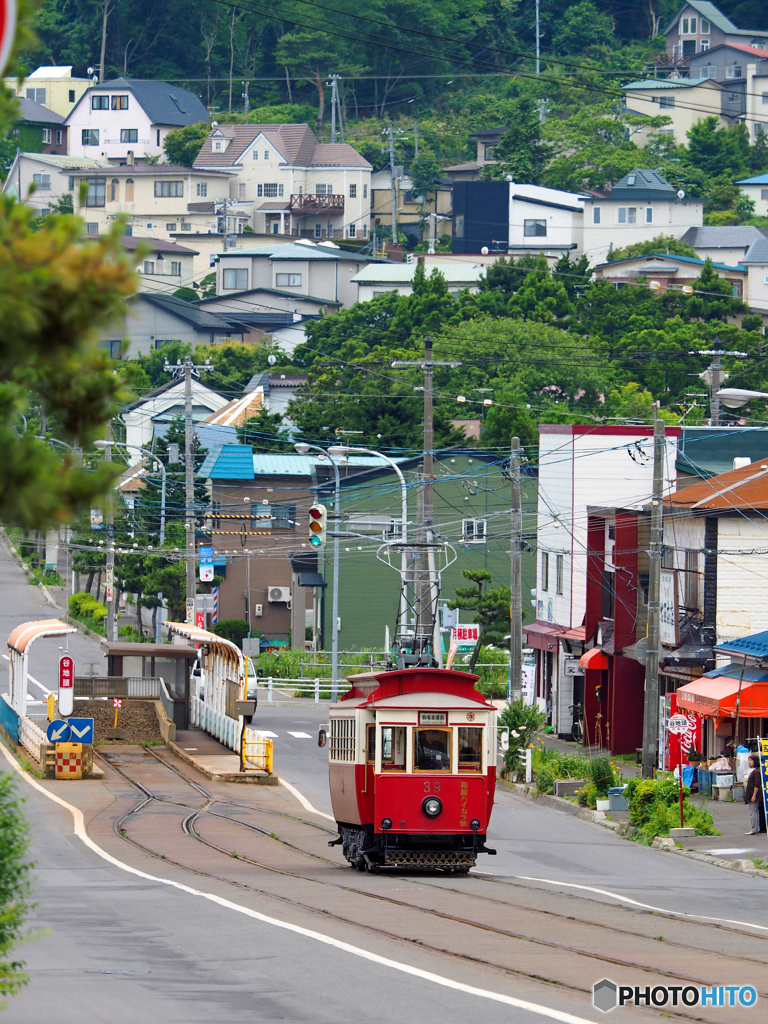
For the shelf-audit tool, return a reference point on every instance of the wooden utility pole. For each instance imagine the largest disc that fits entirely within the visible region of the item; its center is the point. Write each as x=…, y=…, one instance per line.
x=651, y=706
x=516, y=576
x=109, y=526
x=393, y=185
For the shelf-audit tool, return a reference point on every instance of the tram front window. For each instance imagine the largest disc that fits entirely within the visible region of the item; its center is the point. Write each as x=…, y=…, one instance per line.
x=470, y=749
x=432, y=750
x=392, y=748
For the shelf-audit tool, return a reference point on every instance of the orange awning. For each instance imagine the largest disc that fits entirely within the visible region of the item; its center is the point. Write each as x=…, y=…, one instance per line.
x=716, y=698
x=594, y=659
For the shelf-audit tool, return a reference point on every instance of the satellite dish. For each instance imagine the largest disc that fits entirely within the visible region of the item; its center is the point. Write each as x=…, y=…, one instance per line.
x=681, y=193
x=641, y=650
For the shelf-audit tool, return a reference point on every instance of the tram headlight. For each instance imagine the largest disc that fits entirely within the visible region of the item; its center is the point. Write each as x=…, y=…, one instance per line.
x=474, y=824
x=386, y=823
x=432, y=806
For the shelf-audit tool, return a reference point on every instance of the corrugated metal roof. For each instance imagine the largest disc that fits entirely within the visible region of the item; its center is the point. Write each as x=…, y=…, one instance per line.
x=64, y=160
x=755, y=646
x=227, y=462
x=403, y=273
x=300, y=251
x=760, y=179
x=665, y=83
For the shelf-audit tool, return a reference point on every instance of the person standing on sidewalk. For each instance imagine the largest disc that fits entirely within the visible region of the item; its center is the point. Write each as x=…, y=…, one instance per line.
x=753, y=797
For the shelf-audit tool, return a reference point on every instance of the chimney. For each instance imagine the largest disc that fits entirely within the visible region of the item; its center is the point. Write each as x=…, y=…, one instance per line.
x=130, y=158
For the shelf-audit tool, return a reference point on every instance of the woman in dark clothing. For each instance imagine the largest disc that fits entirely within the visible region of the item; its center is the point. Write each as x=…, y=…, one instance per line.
x=753, y=797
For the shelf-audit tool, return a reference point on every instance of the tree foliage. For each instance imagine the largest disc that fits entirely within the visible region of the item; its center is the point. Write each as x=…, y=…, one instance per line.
x=15, y=885
x=489, y=607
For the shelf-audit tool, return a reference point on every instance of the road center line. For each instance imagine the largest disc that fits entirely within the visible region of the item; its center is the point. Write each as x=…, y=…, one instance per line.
x=346, y=947
x=625, y=899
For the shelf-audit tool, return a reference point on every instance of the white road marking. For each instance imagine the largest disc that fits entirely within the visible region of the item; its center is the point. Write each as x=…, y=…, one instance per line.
x=327, y=940
x=303, y=800
x=269, y=735
x=625, y=899
x=300, y=735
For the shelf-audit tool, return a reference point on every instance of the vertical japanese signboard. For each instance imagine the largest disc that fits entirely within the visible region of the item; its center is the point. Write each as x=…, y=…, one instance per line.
x=66, y=685
x=668, y=609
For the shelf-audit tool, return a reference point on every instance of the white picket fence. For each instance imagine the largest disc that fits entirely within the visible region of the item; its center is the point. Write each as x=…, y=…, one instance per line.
x=32, y=738
x=226, y=730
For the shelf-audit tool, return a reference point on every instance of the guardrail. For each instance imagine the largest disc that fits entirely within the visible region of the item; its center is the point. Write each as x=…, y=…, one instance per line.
x=256, y=751
x=313, y=687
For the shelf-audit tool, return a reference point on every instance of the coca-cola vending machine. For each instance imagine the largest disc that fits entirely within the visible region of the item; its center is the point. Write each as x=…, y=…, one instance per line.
x=669, y=747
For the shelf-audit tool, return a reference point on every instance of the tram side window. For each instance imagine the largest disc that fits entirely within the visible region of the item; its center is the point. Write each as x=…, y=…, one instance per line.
x=392, y=748
x=470, y=749
x=370, y=743
x=432, y=750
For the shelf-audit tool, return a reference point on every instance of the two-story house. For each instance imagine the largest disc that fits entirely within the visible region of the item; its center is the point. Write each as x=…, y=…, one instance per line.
x=508, y=217
x=165, y=266
x=158, y=200
x=684, y=100
x=48, y=175
x=130, y=117
x=486, y=141
x=52, y=87
x=153, y=319
x=322, y=271
x=39, y=129
x=698, y=27
x=639, y=207
x=298, y=185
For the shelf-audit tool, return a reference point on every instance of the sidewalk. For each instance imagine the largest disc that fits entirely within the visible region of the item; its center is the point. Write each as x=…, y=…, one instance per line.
x=214, y=760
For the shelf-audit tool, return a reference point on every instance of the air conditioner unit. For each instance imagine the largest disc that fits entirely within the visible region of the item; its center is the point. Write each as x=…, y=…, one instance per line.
x=278, y=594
x=258, y=609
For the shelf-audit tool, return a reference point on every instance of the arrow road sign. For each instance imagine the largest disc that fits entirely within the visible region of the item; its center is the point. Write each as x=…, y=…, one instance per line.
x=57, y=731
x=82, y=730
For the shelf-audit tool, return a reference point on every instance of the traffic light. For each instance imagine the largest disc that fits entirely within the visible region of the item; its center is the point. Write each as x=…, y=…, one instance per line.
x=318, y=516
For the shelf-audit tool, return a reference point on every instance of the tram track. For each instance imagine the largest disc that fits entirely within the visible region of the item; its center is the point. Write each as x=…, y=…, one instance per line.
x=206, y=811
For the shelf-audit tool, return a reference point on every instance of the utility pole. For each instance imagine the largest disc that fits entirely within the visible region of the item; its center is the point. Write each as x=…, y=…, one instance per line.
x=246, y=100
x=393, y=184
x=651, y=705
x=516, y=576
x=716, y=378
x=186, y=368
x=538, y=41
x=110, y=528
x=415, y=140
x=333, y=107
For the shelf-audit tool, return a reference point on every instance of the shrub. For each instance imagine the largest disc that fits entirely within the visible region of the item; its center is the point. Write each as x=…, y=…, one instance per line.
x=551, y=764
x=523, y=721
x=235, y=630
x=86, y=609
x=654, y=809
x=14, y=885
x=587, y=795
x=601, y=772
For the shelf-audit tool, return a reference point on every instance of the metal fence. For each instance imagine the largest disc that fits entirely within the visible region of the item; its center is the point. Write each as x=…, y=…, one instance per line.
x=148, y=688
x=317, y=688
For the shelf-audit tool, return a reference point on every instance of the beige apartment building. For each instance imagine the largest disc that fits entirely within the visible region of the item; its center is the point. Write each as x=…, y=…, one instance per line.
x=52, y=87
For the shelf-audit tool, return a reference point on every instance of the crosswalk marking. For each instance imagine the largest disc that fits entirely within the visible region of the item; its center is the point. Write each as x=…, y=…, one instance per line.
x=299, y=735
x=269, y=735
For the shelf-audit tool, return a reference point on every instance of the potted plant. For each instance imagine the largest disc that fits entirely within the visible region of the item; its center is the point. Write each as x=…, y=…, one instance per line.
x=695, y=756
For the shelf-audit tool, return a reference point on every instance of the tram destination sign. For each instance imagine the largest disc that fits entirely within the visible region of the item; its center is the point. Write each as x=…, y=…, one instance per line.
x=433, y=718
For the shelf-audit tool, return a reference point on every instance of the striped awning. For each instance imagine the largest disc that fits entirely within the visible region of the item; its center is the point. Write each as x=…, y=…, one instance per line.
x=23, y=635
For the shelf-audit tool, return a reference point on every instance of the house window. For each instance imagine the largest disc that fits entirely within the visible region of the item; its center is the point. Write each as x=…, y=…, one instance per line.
x=99, y=102
x=283, y=517
x=236, y=280
x=112, y=348
x=318, y=230
x=114, y=190
x=473, y=531
x=170, y=227
x=288, y=280
x=186, y=227
x=559, y=567
x=254, y=154
x=704, y=44
x=119, y=102
x=149, y=266
x=266, y=154
x=489, y=152
x=649, y=215
x=323, y=190
x=764, y=193
x=169, y=188
x=704, y=27
x=365, y=191
x=691, y=587
x=734, y=71
x=129, y=134
x=59, y=135
x=352, y=231
x=71, y=183
x=538, y=228
x=217, y=148
x=46, y=136
x=175, y=268
x=90, y=136
x=202, y=188
x=91, y=228
x=666, y=101
x=158, y=136
x=241, y=190
x=688, y=26
x=627, y=215
x=595, y=214
x=736, y=285
x=129, y=190
x=545, y=570
x=97, y=192
x=42, y=181
x=353, y=192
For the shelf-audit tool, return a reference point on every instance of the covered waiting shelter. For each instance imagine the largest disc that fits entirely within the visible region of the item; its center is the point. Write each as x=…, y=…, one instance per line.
x=19, y=642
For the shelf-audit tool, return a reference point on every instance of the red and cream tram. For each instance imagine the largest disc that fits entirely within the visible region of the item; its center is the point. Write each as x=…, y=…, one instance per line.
x=413, y=769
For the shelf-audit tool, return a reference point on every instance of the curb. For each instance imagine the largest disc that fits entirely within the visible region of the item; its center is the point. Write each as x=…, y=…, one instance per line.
x=254, y=780
x=661, y=843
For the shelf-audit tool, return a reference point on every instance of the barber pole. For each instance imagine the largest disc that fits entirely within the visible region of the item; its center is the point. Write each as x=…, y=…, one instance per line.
x=215, y=616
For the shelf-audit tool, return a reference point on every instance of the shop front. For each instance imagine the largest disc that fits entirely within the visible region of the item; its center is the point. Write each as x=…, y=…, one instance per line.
x=542, y=638
x=732, y=702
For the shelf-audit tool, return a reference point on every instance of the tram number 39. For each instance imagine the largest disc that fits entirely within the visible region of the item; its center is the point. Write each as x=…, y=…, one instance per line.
x=431, y=787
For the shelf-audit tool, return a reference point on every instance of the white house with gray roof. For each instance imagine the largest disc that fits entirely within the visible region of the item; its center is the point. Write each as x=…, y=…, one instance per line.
x=756, y=262
x=723, y=243
x=298, y=185
x=41, y=179
x=130, y=117
x=757, y=190
x=640, y=206
x=303, y=267
x=380, y=278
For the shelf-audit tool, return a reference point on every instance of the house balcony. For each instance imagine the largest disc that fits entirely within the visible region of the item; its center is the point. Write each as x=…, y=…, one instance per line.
x=313, y=204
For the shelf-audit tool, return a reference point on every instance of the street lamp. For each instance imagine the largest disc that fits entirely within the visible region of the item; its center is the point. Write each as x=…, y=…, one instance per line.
x=336, y=451
x=734, y=398
x=303, y=449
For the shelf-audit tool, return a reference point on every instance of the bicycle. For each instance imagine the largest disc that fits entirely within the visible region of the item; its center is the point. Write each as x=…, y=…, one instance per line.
x=577, y=729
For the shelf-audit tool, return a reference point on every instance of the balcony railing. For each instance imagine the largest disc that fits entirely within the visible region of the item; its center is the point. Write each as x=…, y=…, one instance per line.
x=317, y=204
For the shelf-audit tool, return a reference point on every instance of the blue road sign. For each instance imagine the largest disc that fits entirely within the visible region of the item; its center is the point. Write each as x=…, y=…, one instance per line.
x=57, y=731
x=205, y=555
x=81, y=729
